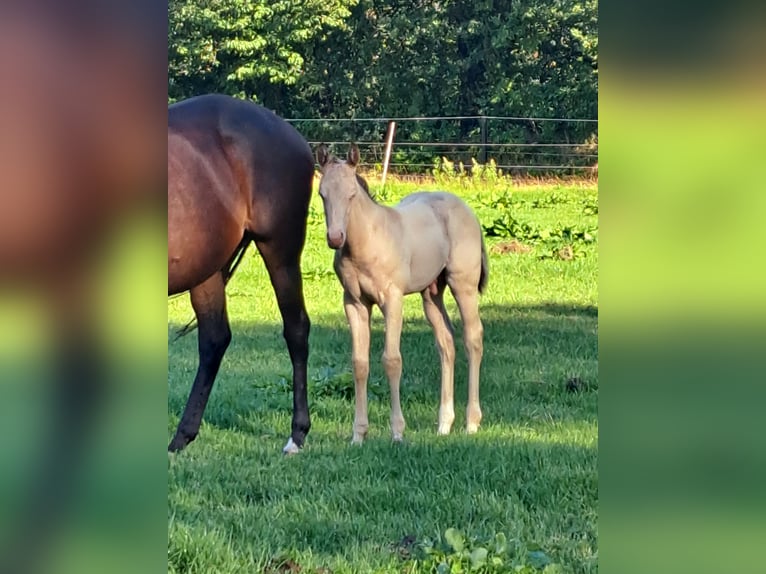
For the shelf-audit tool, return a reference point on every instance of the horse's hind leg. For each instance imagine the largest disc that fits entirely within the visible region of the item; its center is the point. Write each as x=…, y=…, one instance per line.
x=285, y=274
x=433, y=306
x=214, y=336
x=467, y=296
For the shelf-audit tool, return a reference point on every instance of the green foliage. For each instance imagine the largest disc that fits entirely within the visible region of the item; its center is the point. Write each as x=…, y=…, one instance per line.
x=553, y=237
x=327, y=382
x=247, y=48
x=509, y=226
x=590, y=207
x=457, y=554
x=383, y=58
x=446, y=172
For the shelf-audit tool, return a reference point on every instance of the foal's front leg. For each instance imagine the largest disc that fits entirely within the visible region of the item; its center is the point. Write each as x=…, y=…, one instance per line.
x=358, y=315
x=392, y=359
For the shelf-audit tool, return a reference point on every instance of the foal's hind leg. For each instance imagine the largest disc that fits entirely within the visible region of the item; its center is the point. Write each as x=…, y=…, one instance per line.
x=433, y=306
x=285, y=274
x=214, y=336
x=467, y=296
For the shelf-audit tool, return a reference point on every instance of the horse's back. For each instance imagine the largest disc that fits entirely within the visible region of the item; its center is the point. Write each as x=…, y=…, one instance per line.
x=447, y=210
x=272, y=161
x=258, y=132
x=449, y=225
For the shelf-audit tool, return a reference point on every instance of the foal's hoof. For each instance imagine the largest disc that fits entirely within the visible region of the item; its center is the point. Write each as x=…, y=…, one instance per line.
x=397, y=437
x=471, y=428
x=291, y=447
x=359, y=434
x=358, y=438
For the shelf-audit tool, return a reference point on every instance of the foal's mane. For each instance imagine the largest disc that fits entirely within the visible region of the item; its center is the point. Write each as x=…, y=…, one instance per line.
x=363, y=184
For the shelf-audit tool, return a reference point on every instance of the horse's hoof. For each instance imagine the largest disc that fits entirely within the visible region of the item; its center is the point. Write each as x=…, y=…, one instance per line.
x=397, y=437
x=291, y=447
x=357, y=440
x=178, y=444
x=444, y=429
x=471, y=428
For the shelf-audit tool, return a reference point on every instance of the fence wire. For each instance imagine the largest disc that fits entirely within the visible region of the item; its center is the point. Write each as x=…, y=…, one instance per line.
x=517, y=145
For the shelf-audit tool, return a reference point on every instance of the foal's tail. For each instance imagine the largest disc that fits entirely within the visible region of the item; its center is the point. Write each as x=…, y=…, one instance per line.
x=484, y=277
x=228, y=271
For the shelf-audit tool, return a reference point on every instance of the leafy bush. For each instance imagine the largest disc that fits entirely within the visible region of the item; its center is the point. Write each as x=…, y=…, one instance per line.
x=448, y=172
x=562, y=240
x=457, y=554
x=328, y=382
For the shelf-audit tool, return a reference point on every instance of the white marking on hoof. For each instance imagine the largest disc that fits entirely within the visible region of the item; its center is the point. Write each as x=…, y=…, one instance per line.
x=471, y=428
x=357, y=440
x=444, y=429
x=291, y=447
x=397, y=437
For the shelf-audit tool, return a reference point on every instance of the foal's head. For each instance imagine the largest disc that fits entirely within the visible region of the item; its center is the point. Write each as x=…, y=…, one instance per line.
x=338, y=186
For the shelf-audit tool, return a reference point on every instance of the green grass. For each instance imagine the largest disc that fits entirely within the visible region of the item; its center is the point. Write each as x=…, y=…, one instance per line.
x=236, y=504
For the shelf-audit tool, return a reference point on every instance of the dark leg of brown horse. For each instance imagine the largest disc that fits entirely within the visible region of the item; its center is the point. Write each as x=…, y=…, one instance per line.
x=285, y=273
x=214, y=336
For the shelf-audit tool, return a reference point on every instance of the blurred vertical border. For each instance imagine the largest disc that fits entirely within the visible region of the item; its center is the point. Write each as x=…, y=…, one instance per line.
x=682, y=287
x=83, y=235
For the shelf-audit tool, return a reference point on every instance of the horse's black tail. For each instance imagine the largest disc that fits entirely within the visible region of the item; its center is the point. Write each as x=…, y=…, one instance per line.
x=228, y=271
x=235, y=260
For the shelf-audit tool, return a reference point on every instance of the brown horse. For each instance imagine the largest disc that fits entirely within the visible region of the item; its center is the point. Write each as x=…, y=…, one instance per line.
x=237, y=174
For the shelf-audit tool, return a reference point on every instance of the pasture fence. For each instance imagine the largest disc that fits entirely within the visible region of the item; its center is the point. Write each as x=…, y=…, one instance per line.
x=516, y=145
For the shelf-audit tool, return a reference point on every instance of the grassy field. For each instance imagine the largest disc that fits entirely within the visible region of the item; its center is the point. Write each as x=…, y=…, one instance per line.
x=522, y=492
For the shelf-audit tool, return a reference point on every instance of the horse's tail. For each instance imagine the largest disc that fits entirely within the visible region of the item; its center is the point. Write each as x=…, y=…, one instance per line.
x=235, y=260
x=484, y=277
x=228, y=271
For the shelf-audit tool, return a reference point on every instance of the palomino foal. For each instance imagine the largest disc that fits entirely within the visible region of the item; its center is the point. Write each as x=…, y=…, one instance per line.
x=426, y=242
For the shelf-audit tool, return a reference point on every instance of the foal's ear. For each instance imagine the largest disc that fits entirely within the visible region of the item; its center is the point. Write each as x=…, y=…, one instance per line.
x=323, y=156
x=353, y=155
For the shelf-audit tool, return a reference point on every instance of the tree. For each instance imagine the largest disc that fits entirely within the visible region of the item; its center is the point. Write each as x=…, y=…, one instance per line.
x=373, y=58
x=247, y=48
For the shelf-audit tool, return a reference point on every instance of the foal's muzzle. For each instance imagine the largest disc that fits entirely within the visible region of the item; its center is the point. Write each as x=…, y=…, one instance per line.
x=336, y=239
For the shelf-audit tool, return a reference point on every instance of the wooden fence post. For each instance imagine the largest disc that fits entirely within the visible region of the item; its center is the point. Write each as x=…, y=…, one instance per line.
x=389, y=145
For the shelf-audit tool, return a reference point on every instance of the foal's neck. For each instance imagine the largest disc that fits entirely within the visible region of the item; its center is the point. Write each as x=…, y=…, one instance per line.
x=366, y=221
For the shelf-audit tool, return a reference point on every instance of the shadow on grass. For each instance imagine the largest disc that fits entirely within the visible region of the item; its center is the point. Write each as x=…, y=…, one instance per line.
x=530, y=355
x=342, y=504
x=530, y=472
